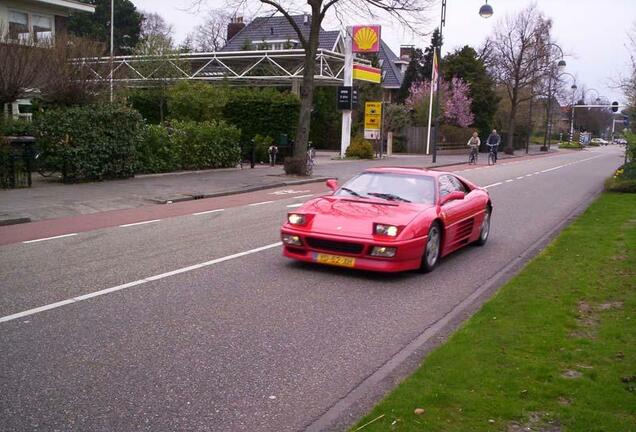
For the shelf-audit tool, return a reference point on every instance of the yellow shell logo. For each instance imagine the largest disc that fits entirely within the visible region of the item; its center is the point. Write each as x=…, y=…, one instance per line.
x=365, y=38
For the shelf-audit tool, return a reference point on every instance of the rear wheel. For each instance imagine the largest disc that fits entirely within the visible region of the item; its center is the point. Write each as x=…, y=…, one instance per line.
x=484, y=231
x=432, y=248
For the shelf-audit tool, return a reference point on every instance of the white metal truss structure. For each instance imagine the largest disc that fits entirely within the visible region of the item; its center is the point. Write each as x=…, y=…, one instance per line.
x=265, y=68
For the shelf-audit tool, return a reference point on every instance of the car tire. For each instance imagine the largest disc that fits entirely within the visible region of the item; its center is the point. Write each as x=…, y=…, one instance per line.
x=433, y=247
x=484, y=230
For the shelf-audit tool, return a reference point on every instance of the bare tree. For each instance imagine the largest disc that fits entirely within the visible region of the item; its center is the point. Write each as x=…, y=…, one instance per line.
x=22, y=66
x=517, y=55
x=67, y=80
x=211, y=35
x=154, y=24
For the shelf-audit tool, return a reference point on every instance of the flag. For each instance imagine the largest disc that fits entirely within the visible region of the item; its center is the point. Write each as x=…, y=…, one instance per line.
x=435, y=72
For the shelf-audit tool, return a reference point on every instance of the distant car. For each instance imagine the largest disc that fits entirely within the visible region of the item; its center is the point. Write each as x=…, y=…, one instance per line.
x=596, y=141
x=389, y=220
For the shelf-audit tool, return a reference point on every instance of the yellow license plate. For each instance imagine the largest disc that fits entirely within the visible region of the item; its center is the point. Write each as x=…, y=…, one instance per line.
x=335, y=260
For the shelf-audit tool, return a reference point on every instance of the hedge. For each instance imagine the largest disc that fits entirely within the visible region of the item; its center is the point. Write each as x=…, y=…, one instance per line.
x=266, y=112
x=211, y=144
x=360, y=148
x=156, y=152
x=92, y=142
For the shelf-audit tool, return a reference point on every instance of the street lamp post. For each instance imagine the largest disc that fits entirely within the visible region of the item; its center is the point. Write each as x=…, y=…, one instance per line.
x=485, y=11
x=112, y=31
x=560, y=65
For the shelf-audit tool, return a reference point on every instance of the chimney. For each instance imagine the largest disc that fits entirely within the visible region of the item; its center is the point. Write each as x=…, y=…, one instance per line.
x=406, y=52
x=236, y=25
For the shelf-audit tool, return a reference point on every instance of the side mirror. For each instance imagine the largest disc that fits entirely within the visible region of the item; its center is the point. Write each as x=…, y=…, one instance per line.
x=332, y=184
x=456, y=195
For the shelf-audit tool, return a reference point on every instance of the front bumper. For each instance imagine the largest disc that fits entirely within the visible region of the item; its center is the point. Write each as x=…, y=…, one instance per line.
x=408, y=255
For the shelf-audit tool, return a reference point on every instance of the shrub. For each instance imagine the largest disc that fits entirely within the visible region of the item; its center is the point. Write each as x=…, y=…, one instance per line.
x=210, y=144
x=152, y=103
x=568, y=145
x=262, y=144
x=92, y=142
x=10, y=127
x=360, y=148
x=266, y=112
x=197, y=101
x=156, y=152
x=623, y=180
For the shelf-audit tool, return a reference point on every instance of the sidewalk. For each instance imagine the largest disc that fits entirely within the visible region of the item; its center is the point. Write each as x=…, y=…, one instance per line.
x=50, y=199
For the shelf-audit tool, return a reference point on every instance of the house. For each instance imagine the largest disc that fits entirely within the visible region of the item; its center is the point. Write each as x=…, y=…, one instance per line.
x=276, y=33
x=27, y=20
x=34, y=21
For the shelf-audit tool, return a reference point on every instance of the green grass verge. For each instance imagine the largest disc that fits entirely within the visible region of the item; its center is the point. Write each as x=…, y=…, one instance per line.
x=570, y=311
x=568, y=145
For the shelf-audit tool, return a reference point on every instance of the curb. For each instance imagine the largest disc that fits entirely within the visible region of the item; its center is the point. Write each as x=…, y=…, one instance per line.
x=370, y=391
x=181, y=198
x=14, y=221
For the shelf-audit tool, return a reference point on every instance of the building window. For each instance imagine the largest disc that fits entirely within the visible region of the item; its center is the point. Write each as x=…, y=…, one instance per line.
x=42, y=28
x=26, y=28
x=18, y=26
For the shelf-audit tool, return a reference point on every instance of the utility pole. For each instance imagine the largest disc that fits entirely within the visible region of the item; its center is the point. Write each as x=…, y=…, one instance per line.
x=112, y=51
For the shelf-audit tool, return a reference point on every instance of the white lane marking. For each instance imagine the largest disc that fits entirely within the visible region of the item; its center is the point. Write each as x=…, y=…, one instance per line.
x=135, y=283
x=259, y=203
x=139, y=223
x=49, y=238
x=520, y=178
x=207, y=212
x=492, y=185
x=552, y=169
x=294, y=205
x=304, y=196
x=529, y=175
x=509, y=180
x=287, y=192
x=537, y=172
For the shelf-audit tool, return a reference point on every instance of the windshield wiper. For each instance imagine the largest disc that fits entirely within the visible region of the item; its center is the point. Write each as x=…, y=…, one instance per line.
x=352, y=192
x=388, y=196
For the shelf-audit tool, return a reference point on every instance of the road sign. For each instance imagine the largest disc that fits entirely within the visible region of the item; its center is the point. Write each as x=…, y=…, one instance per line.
x=614, y=106
x=373, y=115
x=345, y=97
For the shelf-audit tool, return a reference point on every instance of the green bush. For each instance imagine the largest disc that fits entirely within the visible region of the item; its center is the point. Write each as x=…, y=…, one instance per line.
x=623, y=180
x=156, y=152
x=360, y=148
x=630, y=148
x=210, y=144
x=262, y=144
x=92, y=142
x=152, y=103
x=568, y=145
x=10, y=127
x=266, y=112
x=197, y=101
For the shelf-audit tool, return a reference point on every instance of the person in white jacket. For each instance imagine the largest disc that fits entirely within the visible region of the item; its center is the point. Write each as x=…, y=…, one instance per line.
x=474, y=142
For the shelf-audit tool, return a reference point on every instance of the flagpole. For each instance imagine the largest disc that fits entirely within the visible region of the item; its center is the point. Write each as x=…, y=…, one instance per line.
x=430, y=105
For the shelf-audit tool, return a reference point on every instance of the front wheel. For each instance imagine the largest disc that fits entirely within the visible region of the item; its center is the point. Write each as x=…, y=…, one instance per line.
x=432, y=248
x=484, y=231
x=491, y=158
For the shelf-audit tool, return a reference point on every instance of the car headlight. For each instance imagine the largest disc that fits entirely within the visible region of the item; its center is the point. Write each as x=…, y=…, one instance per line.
x=386, y=230
x=291, y=240
x=297, y=219
x=383, y=251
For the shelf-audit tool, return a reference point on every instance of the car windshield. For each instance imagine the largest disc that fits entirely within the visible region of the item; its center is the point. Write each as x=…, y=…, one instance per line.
x=391, y=187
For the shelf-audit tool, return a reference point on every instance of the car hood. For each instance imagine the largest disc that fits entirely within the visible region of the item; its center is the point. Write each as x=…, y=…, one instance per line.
x=355, y=217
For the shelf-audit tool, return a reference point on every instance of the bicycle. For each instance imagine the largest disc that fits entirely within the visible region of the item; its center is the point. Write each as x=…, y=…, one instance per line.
x=492, y=154
x=472, y=157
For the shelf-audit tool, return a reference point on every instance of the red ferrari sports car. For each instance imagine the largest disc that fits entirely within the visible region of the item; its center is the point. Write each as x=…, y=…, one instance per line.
x=389, y=220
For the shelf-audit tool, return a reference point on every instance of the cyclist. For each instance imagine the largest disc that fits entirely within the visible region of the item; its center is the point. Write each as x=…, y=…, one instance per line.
x=493, y=143
x=474, y=142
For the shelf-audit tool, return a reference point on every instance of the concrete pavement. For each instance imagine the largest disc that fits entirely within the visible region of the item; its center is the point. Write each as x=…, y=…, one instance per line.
x=50, y=199
x=211, y=330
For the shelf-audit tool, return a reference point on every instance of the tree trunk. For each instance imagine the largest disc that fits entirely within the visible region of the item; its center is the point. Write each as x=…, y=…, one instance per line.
x=509, y=149
x=307, y=90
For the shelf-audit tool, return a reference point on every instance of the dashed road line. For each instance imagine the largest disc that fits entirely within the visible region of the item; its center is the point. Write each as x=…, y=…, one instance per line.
x=207, y=212
x=520, y=178
x=134, y=283
x=510, y=180
x=260, y=203
x=139, y=223
x=304, y=196
x=49, y=238
x=294, y=205
x=492, y=185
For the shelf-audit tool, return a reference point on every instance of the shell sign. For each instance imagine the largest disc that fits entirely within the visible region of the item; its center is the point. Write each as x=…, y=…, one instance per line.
x=366, y=39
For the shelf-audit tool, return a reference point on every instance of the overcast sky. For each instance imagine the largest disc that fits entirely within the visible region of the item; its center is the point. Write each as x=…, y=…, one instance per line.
x=593, y=33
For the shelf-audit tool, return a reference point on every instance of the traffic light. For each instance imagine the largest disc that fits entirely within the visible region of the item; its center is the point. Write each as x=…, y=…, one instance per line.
x=614, y=106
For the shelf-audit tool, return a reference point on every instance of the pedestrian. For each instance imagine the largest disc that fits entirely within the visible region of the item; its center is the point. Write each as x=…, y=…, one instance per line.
x=272, y=151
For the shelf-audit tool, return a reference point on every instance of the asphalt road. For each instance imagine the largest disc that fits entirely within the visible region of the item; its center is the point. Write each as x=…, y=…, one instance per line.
x=197, y=323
